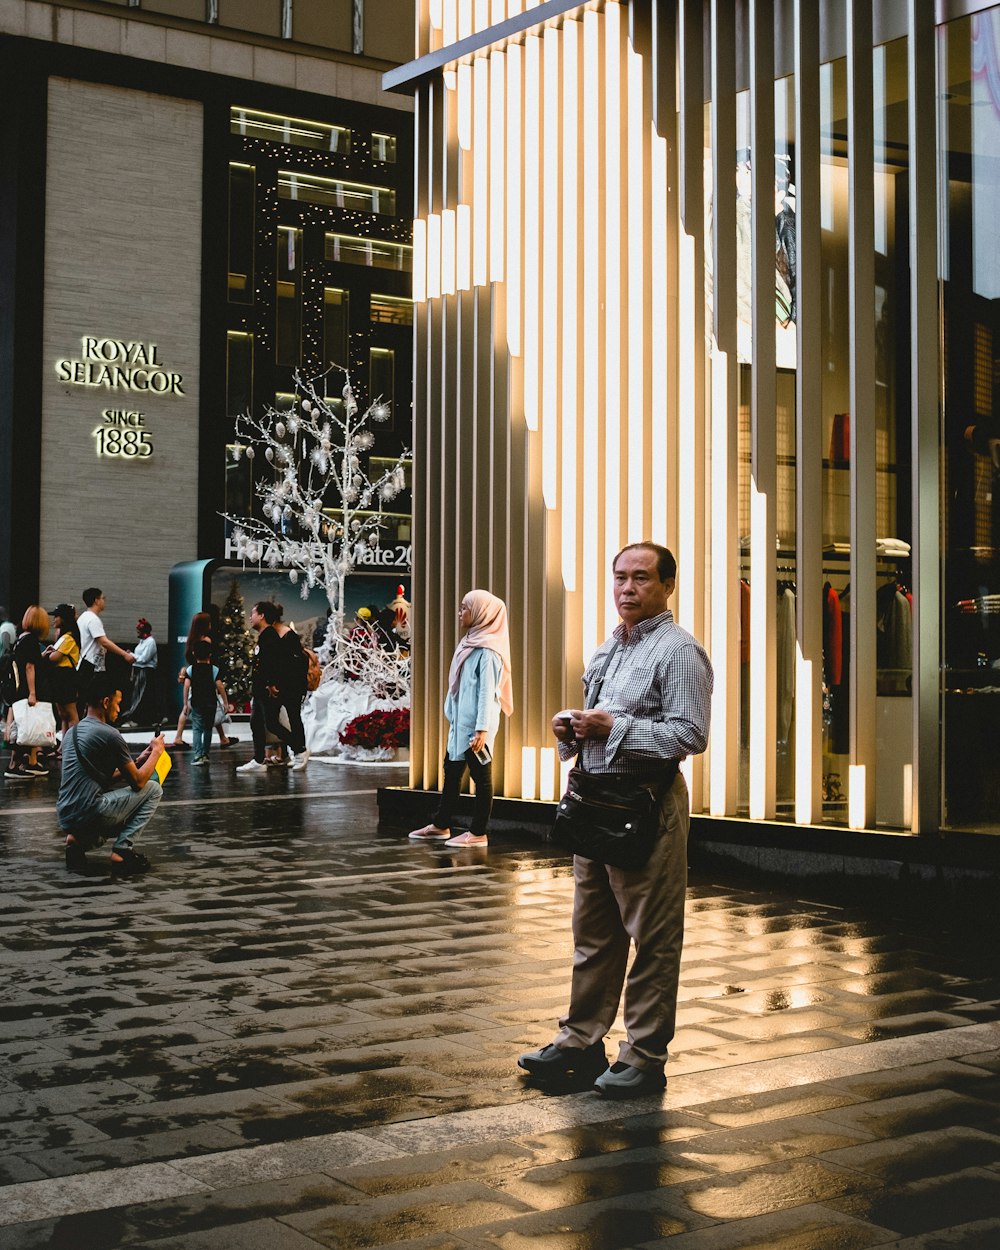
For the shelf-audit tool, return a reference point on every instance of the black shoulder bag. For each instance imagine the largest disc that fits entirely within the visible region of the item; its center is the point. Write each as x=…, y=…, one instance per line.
x=608, y=817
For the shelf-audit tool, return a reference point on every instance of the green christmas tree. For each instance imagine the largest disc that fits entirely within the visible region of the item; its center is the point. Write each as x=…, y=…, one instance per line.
x=236, y=644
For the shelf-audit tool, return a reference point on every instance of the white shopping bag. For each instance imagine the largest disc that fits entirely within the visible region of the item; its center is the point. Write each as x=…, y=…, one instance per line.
x=36, y=726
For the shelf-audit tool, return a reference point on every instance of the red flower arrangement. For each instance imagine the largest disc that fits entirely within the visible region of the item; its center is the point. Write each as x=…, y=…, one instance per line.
x=378, y=729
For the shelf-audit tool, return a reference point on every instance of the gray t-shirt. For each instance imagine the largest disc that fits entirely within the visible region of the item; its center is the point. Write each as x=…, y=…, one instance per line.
x=80, y=788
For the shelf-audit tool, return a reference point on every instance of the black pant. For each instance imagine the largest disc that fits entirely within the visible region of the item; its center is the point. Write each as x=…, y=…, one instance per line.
x=293, y=706
x=454, y=772
x=264, y=720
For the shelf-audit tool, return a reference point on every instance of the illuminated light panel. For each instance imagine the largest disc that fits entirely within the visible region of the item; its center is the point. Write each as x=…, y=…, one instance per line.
x=433, y=256
x=720, y=581
x=856, y=796
x=637, y=279
x=448, y=267
x=464, y=73
x=480, y=171
x=498, y=235
x=419, y=261
x=689, y=289
x=589, y=512
x=547, y=774
x=449, y=23
x=528, y=772
x=551, y=338
x=570, y=300
x=513, y=213
x=659, y=378
x=497, y=12
x=464, y=18
x=907, y=796
x=803, y=742
x=481, y=14
x=612, y=294
x=532, y=122
x=463, y=247
x=435, y=13
x=759, y=603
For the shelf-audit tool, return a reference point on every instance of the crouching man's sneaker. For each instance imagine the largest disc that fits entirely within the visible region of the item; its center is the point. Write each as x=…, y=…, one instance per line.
x=128, y=863
x=562, y=1065
x=623, y=1081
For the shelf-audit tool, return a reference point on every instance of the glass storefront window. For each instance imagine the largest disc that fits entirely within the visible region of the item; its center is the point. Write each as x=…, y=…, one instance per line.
x=336, y=326
x=295, y=131
x=384, y=148
x=335, y=192
x=288, y=337
x=391, y=310
x=969, y=130
x=375, y=253
x=381, y=377
x=242, y=190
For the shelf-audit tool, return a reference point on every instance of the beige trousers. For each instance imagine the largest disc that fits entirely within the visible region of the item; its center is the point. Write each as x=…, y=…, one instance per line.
x=613, y=907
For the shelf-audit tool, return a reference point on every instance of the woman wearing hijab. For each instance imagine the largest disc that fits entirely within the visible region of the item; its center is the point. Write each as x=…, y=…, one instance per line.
x=479, y=689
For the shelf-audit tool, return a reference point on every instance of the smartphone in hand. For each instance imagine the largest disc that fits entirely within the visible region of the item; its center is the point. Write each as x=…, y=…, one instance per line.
x=484, y=755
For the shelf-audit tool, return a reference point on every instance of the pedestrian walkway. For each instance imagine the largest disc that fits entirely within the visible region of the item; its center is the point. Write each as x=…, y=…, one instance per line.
x=301, y=1031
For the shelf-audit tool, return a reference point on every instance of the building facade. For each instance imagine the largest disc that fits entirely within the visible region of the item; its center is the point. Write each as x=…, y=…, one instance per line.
x=199, y=199
x=725, y=276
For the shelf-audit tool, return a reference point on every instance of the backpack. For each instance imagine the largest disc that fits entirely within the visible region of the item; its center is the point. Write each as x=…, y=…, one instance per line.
x=10, y=678
x=314, y=670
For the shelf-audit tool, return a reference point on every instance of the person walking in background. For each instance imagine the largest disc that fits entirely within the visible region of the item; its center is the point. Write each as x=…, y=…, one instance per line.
x=94, y=641
x=292, y=665
x=266, y=710
x=64, y=656
x=90, y=808
x=143, y=708
x=8, y=633
x=479, y=689
x=202, y=691
x=32, y=685
x=649, y=693
x=201, y=627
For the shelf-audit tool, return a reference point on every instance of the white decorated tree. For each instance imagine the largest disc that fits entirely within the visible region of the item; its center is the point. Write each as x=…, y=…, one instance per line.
x=320, y=513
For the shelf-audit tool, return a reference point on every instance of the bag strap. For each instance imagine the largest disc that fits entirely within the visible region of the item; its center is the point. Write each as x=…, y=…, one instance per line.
x=598, y=682
x=88, y=768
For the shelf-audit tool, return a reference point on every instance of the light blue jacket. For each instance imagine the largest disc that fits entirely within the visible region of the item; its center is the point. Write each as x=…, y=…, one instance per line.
x=478, y=702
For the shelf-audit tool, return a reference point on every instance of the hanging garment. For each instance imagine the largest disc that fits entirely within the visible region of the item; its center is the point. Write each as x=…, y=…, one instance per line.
x=832, y=637
x=785, y=657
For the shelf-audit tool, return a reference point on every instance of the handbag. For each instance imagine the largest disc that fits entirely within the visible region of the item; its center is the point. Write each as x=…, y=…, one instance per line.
x=607, y=817
x=36, y=726
x=222, y=716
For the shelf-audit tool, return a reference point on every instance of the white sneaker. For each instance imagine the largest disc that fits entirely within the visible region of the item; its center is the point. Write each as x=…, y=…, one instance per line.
x=252, y=766
x=300, y=761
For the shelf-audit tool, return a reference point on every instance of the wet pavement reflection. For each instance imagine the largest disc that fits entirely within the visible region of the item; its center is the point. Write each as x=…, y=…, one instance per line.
x=300, y=1029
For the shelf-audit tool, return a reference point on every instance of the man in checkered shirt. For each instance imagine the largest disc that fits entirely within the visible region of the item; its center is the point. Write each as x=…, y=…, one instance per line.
x=650, y=711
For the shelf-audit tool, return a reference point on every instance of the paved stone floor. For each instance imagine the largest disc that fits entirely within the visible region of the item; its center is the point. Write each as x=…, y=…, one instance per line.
x=300, y=1030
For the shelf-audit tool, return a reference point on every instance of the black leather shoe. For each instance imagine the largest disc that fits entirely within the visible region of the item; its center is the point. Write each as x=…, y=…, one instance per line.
x=564, y=1065
x=623, y=1081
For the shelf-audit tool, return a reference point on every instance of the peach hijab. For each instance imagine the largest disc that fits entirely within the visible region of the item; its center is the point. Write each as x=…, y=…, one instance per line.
x=488, y=629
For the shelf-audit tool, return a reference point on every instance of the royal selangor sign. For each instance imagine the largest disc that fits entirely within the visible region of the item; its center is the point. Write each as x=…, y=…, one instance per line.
x=119, y=365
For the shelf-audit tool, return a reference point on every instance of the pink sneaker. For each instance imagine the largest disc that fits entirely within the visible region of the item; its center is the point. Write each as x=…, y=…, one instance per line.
x=468, y=839
x=430, y=833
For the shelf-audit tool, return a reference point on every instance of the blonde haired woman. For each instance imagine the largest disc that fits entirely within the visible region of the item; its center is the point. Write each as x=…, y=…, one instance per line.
x=479, y=689
x=32, y=685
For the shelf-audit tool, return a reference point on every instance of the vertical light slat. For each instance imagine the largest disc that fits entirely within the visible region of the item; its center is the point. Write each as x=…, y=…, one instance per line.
x=590, y=507
x=614, y=267
x=924, y=364
x=861, y=300
x=532, y=225
x=808, y=408
x=725, y=602
x=481, y=171
x=763, y=434
x=550, y=300
x=570, y=210
x=637, y=276
x=498, y=233
x=515, y=207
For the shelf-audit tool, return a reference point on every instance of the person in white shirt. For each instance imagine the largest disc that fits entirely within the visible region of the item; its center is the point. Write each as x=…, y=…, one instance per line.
x=94, y=642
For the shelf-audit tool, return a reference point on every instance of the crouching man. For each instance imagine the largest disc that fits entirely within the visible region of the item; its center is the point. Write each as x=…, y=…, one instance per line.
x=93, y=806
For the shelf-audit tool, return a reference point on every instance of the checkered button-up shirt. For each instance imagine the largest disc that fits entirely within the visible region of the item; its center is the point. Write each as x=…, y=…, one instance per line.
x=657, y=689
